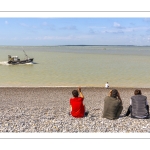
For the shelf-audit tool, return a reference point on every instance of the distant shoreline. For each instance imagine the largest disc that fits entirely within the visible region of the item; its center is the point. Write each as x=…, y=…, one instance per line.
x=74, y=87
x=69, y=45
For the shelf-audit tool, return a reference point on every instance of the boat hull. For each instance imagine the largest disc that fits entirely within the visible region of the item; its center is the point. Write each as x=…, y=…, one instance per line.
x=21, y=61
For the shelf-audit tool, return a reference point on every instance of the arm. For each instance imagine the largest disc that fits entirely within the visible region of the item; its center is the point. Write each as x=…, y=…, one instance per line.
x=80, y=93
x=130, y=101
x=70, y=108
x=146, y=102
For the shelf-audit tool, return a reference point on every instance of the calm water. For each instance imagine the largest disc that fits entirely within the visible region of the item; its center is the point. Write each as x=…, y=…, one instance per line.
x=121, y=66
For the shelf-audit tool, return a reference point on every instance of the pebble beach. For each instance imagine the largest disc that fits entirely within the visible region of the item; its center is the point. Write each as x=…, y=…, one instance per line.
x=45, y=109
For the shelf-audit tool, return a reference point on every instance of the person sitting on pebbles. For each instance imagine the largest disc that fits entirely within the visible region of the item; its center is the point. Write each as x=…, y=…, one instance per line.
x=112, y=105
x=139, y=107
x=77, y=109
x=106, y=85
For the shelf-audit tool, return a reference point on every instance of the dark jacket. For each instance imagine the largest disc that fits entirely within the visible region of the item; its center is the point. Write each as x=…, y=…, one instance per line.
x=139, y=106
x=112, y=108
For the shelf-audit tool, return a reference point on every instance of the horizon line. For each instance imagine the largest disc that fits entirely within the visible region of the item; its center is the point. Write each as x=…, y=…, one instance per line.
x=76, y=45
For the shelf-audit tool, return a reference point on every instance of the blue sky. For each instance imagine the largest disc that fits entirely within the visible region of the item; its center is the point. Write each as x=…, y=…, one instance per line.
x=74, y=31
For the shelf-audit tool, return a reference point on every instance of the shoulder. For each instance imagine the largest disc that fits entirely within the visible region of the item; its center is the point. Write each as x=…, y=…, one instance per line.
x=76, y=98
x=108, y=98
x=144, y=96
x=72, y=99
x=132, y=96
x=80, y=98
x=139, y=97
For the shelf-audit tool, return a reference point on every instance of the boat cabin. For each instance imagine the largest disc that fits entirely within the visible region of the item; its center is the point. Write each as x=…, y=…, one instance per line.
x=13, y=58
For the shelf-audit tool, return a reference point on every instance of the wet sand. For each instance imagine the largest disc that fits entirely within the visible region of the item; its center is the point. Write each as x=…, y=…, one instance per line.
x=45, y=109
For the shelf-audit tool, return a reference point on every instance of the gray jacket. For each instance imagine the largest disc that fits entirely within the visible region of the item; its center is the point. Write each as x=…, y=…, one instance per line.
x=112, y=108
x=139, y=106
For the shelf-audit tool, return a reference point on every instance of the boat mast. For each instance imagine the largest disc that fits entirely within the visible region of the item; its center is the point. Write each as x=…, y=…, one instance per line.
x=25, y=54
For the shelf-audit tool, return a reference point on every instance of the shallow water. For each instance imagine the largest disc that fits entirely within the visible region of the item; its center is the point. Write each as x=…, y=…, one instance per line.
x=121, y=66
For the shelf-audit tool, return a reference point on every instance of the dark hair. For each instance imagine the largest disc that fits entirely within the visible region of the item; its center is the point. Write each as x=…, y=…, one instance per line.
x=75, y=93
x=137, y=92
x=114, y=93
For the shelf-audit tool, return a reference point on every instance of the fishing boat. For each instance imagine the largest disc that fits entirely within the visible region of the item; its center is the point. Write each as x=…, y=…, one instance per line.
x=14, y=60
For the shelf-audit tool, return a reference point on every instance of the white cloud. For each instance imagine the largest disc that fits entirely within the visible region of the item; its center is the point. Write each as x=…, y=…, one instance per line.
x=97, y=27
x=69, y=28
x=56, y=38
x=6, y=22
x=27, y=38
x=69, y=37
x=125, y=30
x=117, y=24
x=24, y=25
x=147, y=19
x=34, y=27
x=45, y=23
x=2, y=38
x=14, y=38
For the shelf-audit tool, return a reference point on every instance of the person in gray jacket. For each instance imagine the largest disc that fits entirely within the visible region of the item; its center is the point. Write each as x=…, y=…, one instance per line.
x=112, y=105
x=139, y=107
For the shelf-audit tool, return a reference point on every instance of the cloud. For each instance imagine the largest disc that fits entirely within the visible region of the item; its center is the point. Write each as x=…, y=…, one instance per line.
x=69, y=37
x=34, y=27
x=116, y=25
x=14, y=38
x=119, y=30
x=44, y=23
x=148, y=39
x=91, y=31
x=148, y=31
x=2, y=38
x=47, y=26
x=69, y=28
x=28, y=38
x=24, y=25
x=132, y=24
x=147, y=19
x=6, y=22
x=95, y=29
x=54, y=38
x=113, y=31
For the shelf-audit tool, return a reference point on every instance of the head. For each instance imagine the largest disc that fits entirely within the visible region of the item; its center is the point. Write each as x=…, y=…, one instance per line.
x=114, y=93
x=75, y=93
x=137, y=92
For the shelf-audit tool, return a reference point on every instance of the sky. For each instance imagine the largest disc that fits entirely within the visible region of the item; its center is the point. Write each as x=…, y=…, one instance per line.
x=74, y=31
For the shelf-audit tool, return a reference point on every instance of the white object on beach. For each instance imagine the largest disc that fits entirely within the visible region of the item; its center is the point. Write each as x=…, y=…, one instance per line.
x=107, y=85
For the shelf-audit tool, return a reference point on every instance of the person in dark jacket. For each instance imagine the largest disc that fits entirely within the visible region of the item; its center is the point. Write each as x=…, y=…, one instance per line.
x=112, y=105
x=139, y=107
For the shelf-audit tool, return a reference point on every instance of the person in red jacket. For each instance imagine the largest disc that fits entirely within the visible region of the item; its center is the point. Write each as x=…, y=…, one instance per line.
x=77, y=109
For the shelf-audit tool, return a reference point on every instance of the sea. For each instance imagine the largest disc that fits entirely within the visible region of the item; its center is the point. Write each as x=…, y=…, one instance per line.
x=77, y=65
